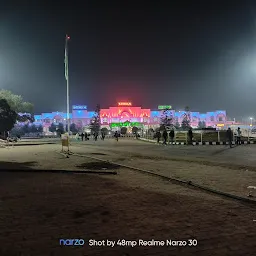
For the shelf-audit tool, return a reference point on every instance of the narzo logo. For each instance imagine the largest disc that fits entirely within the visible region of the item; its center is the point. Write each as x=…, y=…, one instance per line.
x=72, y=242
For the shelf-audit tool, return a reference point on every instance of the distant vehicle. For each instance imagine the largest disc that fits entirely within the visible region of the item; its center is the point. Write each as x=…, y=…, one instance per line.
x=253, y=130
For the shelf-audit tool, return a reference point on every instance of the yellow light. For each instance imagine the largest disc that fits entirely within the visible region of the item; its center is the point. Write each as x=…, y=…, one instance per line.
x=124, y=103
x=220, y=125
x=250, y=124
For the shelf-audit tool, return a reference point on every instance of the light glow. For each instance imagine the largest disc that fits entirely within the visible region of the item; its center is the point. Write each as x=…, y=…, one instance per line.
x=163, y=107
x=124, y=103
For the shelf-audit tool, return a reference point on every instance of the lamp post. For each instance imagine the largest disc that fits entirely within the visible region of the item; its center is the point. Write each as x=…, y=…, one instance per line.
x=67, y=79
x=251, y=121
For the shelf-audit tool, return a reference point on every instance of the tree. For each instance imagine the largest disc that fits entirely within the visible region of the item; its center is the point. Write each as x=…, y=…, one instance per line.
x=185, y=125
x=177, y=125
x=95, y=121
x=123, y=130
x=60, y=128
x=135, y=129
x=166, y=119
x=17, y=131
x=40, y=128
x=73, y=128
x=52, y=128
x=201, y=124
x=8, y=116
x=33, y=128
x=187, y=112
x=26, y=128
x=17, y=104
x=104, y=130
x=162, y=127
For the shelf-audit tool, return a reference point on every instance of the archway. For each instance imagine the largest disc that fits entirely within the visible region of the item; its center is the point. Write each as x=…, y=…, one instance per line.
x=124, y=117
x=135, y=129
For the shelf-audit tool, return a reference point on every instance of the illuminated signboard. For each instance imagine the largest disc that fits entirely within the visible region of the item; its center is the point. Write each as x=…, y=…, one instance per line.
x=125, y=124
x=79, y=107
x=124, y=103
x=220, y=125
x=164, y=107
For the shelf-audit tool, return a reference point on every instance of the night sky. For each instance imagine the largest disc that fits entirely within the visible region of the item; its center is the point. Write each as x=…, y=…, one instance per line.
x=196, y=53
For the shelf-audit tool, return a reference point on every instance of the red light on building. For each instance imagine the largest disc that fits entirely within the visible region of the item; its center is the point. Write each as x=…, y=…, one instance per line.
x=124, y=103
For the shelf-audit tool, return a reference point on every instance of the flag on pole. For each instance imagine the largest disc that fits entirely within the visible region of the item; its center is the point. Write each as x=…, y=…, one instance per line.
x=66, y=57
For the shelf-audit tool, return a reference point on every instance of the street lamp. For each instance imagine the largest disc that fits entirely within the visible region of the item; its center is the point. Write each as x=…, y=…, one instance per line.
x=251, y=121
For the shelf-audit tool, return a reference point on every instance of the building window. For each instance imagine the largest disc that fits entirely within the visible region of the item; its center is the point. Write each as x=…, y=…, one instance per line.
x=212, y=118
x=220, y=118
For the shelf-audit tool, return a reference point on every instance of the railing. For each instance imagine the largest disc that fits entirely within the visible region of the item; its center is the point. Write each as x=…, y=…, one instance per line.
x=201, y=136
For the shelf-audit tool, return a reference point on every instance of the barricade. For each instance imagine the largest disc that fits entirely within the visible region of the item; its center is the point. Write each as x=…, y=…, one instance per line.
x=65, y=142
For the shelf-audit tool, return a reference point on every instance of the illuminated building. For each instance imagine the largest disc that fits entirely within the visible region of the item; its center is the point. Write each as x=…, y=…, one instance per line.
x=124, y=114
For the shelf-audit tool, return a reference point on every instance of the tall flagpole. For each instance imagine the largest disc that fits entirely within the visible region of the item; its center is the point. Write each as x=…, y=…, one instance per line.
x=67, y=79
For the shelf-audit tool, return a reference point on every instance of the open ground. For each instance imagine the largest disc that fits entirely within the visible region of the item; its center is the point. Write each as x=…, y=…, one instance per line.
x=37, y=209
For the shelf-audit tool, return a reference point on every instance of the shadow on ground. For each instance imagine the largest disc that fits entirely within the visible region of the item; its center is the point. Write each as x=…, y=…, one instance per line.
x=98, y=154
x=224, y=149
x=6, y=166
x=217, y=152
x=99, y=166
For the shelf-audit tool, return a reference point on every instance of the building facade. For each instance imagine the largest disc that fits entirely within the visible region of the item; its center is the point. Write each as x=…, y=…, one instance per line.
x=124, y=114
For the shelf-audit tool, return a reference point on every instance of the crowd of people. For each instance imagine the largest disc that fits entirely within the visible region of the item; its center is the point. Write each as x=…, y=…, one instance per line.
x=165, y=135
x=230, y=136
x=85, y=136
x=237, y=135
x=158, y=135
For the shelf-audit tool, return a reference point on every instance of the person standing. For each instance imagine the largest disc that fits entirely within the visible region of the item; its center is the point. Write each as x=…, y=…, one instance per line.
x=239, y=133
x=82, y=136
x=102, y=135
x=171, y=135
x=165, y=136
x=229, y=137
x=190, y=136
x=158, y=136
x=96, y=136
x=116, y=135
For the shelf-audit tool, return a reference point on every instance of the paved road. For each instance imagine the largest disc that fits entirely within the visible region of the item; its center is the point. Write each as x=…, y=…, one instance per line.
x=243, y=155
x=239, y=155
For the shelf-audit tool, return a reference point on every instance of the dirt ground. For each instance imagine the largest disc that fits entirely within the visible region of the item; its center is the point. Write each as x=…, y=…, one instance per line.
x=227, y=179
x=38, y=209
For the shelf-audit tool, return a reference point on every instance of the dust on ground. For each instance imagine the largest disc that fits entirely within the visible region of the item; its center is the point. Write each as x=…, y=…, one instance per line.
x=38, y=209
x=230, y=180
